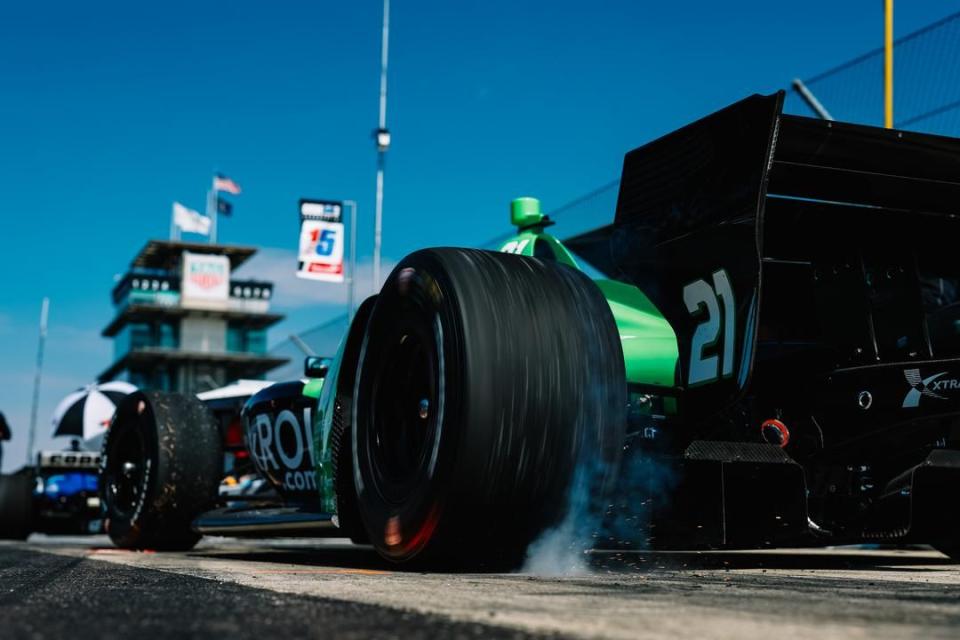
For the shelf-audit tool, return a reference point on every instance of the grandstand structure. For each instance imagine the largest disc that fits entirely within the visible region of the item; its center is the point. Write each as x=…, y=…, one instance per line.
x=182, y=323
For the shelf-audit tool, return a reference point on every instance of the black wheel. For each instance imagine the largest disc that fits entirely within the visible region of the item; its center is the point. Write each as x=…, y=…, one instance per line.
x=487, y=384
x=160, y=467
x=16, y=505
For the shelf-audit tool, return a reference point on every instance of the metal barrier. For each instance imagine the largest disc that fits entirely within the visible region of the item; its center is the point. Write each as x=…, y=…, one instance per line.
x=926, y=83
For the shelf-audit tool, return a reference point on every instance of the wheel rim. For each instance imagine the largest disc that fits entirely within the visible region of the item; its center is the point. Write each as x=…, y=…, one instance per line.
x=125, y=473
x=405, y=418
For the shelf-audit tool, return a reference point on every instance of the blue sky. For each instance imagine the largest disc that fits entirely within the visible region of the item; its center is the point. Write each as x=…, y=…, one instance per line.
x=109, y=111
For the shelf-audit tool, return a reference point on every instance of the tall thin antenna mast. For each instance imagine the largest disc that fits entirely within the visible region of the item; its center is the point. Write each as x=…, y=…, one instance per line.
x=44, y=311
x=382, y=136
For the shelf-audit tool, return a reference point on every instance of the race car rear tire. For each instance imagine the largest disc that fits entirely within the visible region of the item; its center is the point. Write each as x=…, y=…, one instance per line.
x=490, y=398
x=161, y=465
x=16, y=506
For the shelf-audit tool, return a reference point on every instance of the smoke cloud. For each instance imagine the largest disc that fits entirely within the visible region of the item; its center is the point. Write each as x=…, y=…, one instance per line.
x=562, y=550
x=623, y=519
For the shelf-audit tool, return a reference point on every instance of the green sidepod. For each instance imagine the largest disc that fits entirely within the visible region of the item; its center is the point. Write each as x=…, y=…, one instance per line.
x=649, y=342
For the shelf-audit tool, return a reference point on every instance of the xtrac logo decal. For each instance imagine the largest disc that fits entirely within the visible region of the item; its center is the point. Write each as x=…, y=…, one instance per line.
x=930, y=387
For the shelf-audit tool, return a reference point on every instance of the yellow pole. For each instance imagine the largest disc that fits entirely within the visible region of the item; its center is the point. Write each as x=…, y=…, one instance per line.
x=888, y=64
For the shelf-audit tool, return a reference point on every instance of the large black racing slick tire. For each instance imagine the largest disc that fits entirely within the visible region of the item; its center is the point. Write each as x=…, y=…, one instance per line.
x=161, y=464
x=489, y=386
x=16, y=505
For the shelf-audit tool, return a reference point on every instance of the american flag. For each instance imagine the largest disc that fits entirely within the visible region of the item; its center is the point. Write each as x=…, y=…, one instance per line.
x=223, y=183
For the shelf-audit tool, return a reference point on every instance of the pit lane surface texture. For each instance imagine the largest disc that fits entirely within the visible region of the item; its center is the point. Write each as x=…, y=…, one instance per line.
x=81, y=587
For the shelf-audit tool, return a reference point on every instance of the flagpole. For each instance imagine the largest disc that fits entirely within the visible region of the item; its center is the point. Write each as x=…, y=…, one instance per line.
x=44, y=311
x=888, y=64
x=212, y=209
x=174, y=228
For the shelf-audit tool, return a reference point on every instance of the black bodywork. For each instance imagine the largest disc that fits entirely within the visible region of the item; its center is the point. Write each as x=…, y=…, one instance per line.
x=268, y=436
x=838, y=243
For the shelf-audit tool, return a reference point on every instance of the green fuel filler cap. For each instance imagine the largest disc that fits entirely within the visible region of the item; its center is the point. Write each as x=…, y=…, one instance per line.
x=525, y=212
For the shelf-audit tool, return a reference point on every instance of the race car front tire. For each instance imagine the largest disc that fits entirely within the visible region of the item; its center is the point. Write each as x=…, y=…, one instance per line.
x=490, y=397
x=161, y=465
x=16, y=505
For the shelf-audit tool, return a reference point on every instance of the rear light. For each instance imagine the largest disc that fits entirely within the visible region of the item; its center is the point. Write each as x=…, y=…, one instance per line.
x=775, y=432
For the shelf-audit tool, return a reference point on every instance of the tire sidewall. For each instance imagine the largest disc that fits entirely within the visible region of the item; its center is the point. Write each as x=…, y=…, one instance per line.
x=413, y=294
x=134, y=413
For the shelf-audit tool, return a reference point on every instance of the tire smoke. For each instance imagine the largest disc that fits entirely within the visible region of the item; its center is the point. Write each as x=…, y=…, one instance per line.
x=562, y=550
x=617, y=519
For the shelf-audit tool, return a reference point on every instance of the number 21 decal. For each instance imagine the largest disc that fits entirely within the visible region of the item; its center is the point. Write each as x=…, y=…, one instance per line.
x=515, y=246
x=717, y=328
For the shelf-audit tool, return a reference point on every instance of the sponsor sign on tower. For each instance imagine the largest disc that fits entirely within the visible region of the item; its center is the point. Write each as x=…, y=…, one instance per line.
x=206, y=280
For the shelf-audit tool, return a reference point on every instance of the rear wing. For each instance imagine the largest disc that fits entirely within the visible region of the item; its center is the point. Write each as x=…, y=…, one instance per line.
x=709, y=216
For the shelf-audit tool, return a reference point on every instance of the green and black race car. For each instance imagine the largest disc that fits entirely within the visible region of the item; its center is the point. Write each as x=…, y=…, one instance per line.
x=768, y=353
